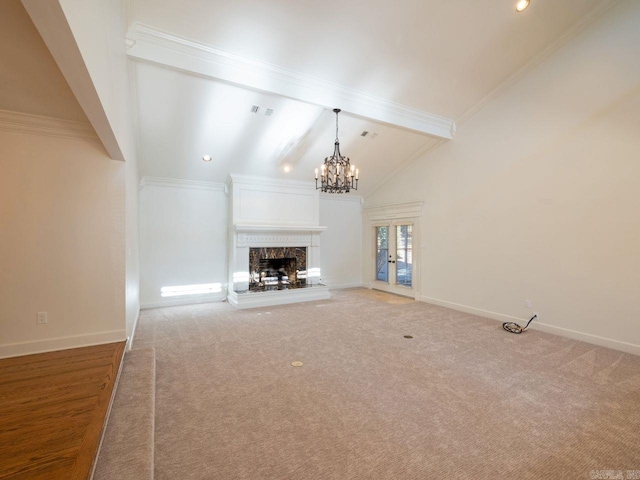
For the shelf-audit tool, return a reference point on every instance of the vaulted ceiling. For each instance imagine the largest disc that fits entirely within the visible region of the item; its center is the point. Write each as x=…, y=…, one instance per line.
x=407, y=73
x=438, y=59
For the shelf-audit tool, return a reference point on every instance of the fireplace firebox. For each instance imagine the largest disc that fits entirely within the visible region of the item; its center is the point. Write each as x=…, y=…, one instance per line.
x=277, y=268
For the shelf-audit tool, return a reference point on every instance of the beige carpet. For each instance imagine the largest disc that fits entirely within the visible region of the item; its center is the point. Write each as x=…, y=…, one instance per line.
x=127, y=448
x=461, y=400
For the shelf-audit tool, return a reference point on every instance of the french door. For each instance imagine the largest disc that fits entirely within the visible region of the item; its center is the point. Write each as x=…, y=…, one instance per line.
x=394, y=258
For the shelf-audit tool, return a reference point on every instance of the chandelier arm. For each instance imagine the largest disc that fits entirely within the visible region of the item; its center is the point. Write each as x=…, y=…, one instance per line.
x=337, y=175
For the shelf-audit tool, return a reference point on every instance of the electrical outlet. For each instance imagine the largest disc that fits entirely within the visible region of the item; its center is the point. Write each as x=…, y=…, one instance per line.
x=527, y=303
x=42, y=317
x=537, y=315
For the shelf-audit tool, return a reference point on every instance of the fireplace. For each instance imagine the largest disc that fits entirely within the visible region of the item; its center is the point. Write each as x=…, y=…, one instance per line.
x=274, y=252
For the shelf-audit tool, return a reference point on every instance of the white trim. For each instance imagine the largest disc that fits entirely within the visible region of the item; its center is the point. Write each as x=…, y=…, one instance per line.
x=393, y=215
x=61, y=343
x=587, y=337
x=342, y=198
x=278, y=297
x=154, y=45
x=133, y=331
x=147, y=181
x=247, y=190
x=51, y=127
x=278, y=228
x=187, y=300
x=543, y=327
x=340, y=286
x=394, y=211
x=257, y=181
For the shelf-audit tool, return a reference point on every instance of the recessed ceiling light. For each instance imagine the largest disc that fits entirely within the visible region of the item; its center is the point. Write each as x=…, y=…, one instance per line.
x=206, y=158
x=521, y=5
x=286, y=168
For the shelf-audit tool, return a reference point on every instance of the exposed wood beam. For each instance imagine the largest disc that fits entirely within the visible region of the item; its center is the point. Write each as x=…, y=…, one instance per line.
x=153, y=45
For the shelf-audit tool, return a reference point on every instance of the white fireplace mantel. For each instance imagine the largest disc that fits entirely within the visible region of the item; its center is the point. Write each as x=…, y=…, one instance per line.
x=276, y=236
x=272, y=213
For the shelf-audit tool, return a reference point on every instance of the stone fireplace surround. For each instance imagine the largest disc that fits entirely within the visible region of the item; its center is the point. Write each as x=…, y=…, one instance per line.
x=268, y=213
x=277, y=268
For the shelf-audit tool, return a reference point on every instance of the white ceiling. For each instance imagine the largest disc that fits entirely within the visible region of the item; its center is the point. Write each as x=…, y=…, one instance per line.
x=439, y=57
x=183, y=117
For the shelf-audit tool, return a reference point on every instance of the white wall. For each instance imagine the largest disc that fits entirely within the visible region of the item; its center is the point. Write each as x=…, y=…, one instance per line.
x=182, y=240
x=183, y=227
x=132, y=296
x=99, y=29
x=537, y=196
x=86, y=39
x=62, y=210
x=341, y=260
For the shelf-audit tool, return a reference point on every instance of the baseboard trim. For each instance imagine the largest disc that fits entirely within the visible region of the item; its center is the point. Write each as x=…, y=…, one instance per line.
x=61, y=343
x=133, y=331
x=587, y=337
x=543, y=327
x=339, y=286
x=191, y=300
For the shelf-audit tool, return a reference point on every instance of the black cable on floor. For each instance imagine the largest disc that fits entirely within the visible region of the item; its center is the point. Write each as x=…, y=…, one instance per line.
x=515, y=328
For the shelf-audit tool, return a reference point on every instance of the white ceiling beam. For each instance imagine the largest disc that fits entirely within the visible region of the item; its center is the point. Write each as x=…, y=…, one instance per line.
x=52, y=24
x=153, y=45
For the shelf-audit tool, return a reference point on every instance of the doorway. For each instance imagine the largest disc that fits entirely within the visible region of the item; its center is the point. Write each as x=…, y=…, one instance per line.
x=394, y=257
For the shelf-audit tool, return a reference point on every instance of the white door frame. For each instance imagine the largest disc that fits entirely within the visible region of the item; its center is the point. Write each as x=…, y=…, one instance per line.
x=392, y=215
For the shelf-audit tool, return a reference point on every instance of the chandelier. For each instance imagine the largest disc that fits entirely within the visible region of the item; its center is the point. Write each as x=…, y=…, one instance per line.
x=337, y=175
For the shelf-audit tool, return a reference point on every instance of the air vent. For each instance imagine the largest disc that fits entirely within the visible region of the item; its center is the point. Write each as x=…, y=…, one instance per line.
x=364, y=134
x=255, y=109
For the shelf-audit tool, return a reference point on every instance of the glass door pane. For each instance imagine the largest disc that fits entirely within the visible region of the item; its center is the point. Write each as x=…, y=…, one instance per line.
x=404, y=258
x=382, y=254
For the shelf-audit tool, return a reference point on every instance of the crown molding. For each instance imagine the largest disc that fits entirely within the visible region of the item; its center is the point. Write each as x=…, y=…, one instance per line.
x=240, y=178
x=48, y=126
x=394, y=210
x=342, y=197
x=182, y=183
x=153, y=45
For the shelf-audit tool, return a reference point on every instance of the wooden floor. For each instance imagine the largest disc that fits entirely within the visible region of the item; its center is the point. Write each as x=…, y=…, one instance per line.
x=52, y=411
